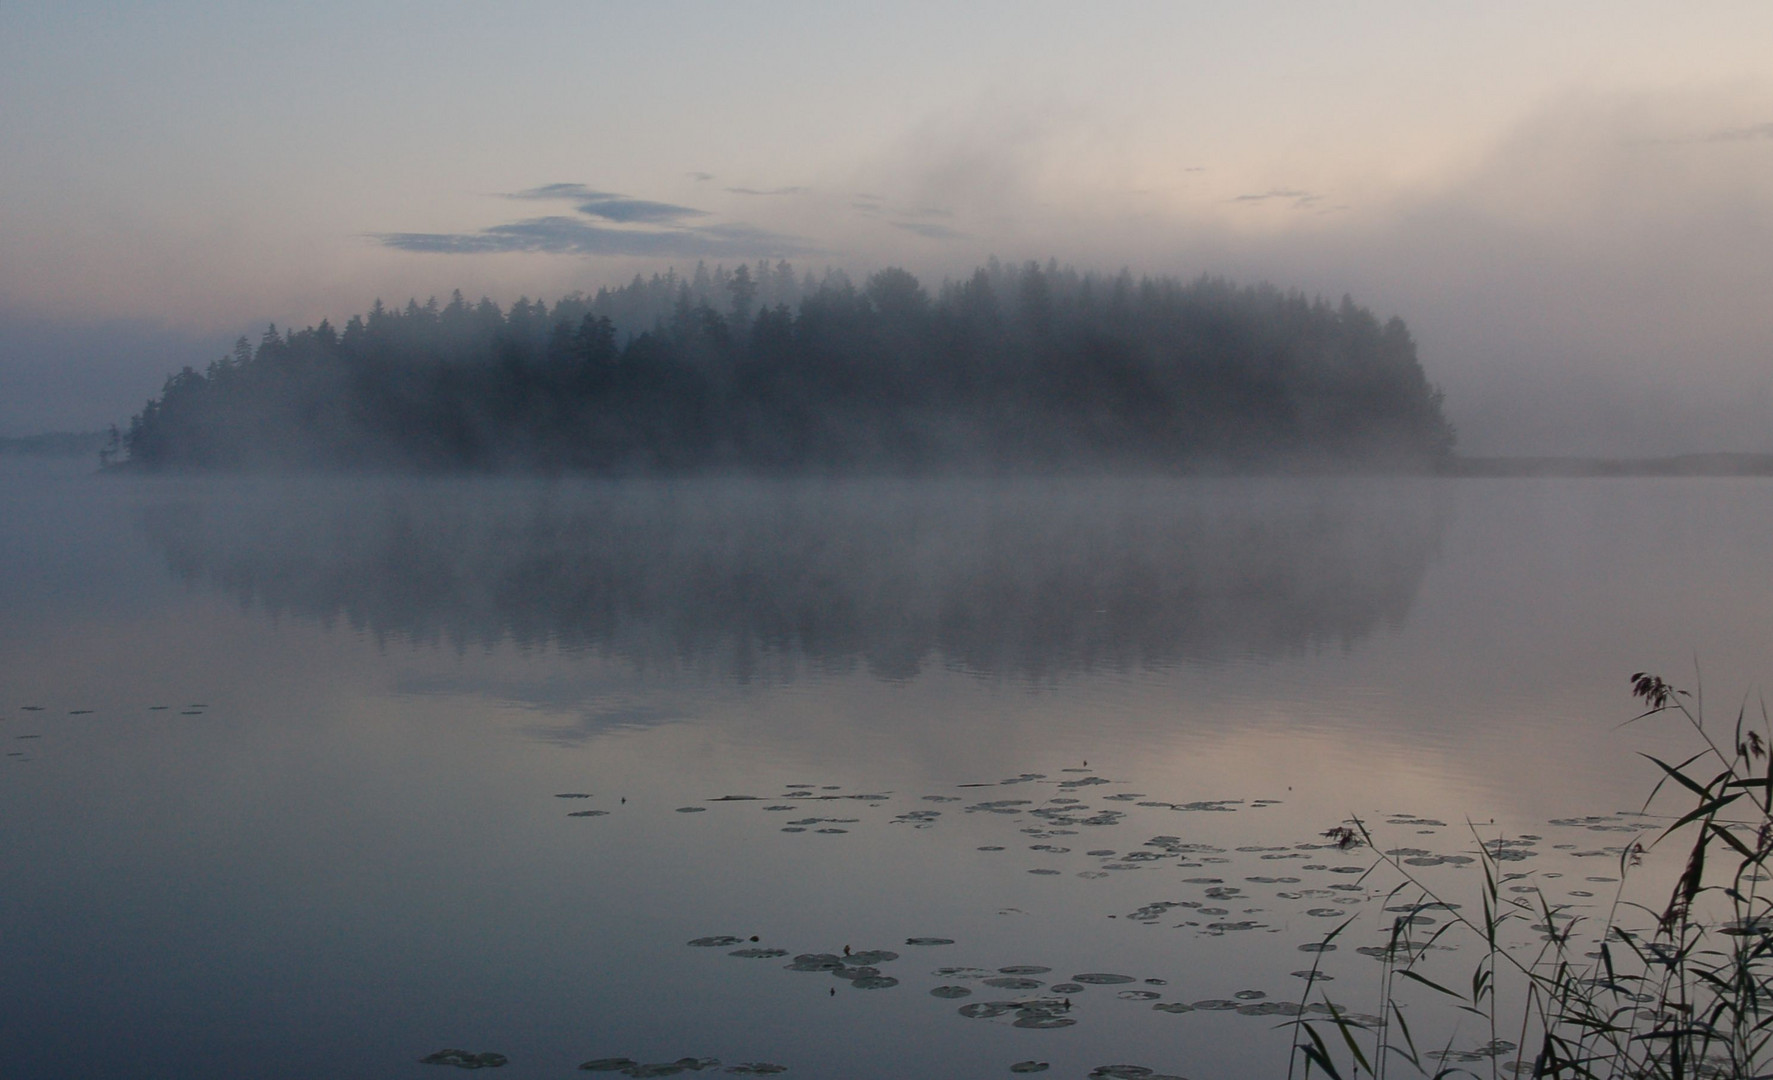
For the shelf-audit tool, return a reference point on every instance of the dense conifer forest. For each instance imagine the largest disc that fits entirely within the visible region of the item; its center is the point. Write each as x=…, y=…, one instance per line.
x=1016, y=367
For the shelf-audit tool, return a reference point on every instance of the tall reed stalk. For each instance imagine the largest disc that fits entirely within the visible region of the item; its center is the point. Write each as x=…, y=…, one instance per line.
x=1677, y=990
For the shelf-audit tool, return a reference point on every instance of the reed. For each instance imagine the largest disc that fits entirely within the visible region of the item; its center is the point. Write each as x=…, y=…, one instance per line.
x=1678, y=989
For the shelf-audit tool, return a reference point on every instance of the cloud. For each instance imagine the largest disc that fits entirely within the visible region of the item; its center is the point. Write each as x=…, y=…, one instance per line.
x=700, y=177
x=562, y=191
x=571, y=236
x=615, y=208
x=1300, y=199
x=928, y=230
x=766, y=191
x=646, y=229
x=608, y=205
x=1750, y=133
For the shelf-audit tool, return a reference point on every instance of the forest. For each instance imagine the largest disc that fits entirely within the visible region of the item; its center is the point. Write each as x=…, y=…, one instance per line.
x=1015, y=368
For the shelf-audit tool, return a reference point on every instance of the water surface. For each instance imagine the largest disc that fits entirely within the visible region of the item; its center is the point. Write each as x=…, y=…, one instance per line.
x=288, y=798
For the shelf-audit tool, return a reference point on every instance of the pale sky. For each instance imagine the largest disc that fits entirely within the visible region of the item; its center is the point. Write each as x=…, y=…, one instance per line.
x=1571, y=204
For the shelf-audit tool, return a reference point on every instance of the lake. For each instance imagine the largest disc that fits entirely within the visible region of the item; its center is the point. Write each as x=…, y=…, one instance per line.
x=317, y=777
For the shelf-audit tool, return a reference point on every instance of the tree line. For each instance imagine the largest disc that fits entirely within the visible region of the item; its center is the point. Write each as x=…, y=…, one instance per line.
x=1015, y=367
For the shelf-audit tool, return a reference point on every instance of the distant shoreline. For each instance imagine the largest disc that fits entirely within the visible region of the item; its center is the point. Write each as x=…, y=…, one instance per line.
x=85, y=444
x=56, y=444
x=1718, y=464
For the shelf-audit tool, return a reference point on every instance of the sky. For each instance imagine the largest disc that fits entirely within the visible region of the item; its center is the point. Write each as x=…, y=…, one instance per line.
x=1570, y=204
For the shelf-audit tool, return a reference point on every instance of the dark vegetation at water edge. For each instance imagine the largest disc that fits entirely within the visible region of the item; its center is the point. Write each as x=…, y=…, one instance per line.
x=1016, y=367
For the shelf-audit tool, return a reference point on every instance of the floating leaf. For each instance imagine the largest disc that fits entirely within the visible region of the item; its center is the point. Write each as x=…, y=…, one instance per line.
x=874, y=982
x=463, y=1059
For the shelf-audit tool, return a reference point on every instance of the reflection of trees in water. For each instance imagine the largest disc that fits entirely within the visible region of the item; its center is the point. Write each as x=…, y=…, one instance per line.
x=1031, y=578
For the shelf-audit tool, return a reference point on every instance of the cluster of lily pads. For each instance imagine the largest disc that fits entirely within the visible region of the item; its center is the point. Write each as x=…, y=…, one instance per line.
x=22, y=756
x=630, y=1067
x=465, y=1059
x=1322, y=878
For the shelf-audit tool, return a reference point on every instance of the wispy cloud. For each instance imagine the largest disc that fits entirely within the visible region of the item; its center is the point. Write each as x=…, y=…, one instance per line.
x=1301, y=200
x=638, y=210
x=608, y=205
x=572, y=236
x=700, y=177
x=929, y=230
x=570, y=192
x=766, y=191
x=622, y=226
x=1751, y=133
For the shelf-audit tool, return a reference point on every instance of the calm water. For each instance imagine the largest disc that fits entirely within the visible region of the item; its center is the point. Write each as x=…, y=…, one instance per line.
x=284, y=758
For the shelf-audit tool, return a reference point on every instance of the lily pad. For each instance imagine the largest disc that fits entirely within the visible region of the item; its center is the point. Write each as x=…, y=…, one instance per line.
x=1010, y=982
x=758, y=954
x=589, y=813
x=615, y=1064
x=929, y=941
x=951, y=992
x=1097, y=978
x=1173, y=1007
x=463, y=1059
x=1030, y=1067
x=874, y=982
x=756, y=1068
x=986, y=1010
x=692, y=809
x=1138, y=995
x=715, y=941
x=1023, y=969
x=816, y=962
